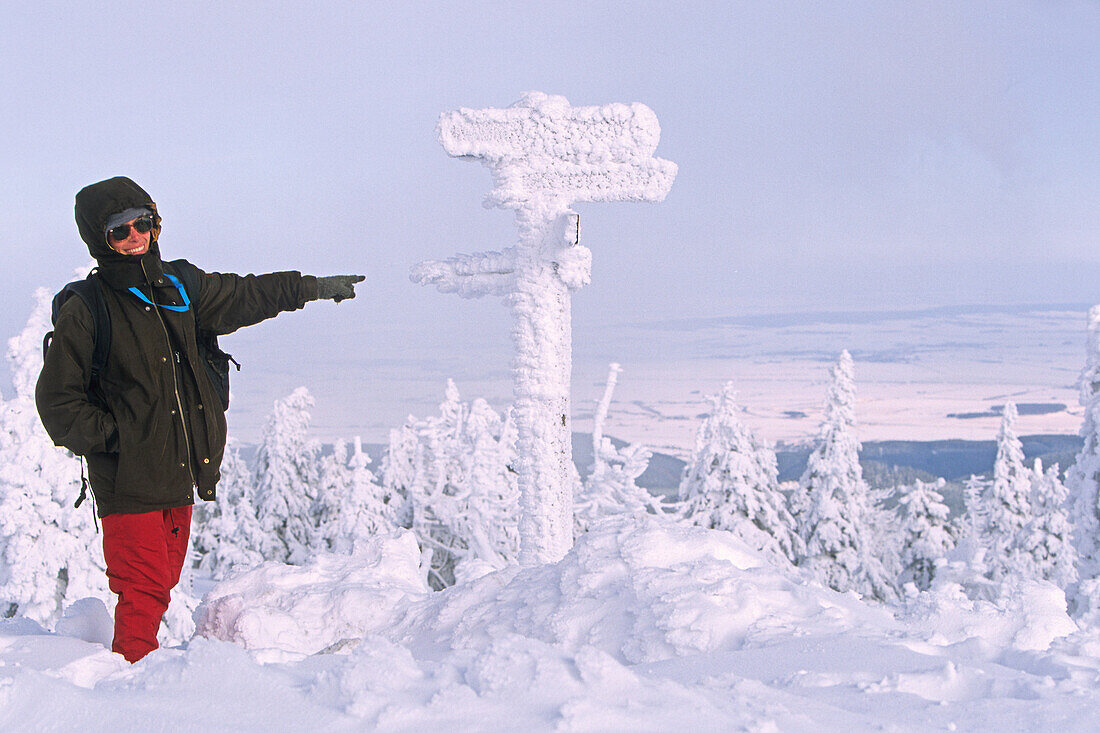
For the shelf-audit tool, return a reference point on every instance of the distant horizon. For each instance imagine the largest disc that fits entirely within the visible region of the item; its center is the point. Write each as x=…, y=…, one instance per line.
x=776, y=317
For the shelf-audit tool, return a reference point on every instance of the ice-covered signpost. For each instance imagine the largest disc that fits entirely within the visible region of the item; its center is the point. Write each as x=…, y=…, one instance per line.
x=545, y=156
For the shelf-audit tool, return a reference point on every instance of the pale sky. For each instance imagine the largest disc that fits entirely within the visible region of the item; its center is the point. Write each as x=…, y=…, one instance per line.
x=832, y=156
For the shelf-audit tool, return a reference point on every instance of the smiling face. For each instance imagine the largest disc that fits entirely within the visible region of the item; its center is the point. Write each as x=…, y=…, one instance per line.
x=136, y=243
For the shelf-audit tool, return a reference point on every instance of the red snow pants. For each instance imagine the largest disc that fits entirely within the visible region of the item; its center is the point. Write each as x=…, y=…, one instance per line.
x=145, y=555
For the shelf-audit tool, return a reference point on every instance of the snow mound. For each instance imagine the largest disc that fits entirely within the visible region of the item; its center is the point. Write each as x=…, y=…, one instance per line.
x=640, y=589
x=88, y=620
x=644, y=625
x=1027, y=615
x=285, y=612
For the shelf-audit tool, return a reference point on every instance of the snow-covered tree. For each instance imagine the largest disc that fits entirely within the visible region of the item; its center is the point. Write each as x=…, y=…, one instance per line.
x=731, y=483
x=884, y=532
x=351, y=504
x=1083, y=484
x=1007, y=505
x=401, y=467
x=488, y=517
x=925, y=532
x=332, y=488
x=50, y=555
x=969, y=556
x=456, y=474
x=227, y=533
x=974, y=490
x=611, y=486
x=1047, y=537
x=832, y=506
x=287, y=473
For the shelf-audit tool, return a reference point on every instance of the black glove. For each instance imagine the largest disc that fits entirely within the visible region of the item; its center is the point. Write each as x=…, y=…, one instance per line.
x=337, y=287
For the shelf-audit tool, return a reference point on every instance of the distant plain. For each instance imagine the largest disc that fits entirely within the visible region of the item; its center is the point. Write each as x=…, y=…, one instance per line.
x=921, y=375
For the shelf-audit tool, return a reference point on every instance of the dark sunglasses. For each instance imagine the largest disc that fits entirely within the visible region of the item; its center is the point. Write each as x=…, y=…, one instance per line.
x=121, y=232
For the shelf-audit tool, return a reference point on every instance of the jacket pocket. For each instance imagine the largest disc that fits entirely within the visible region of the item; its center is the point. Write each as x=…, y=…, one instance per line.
x=216, y=363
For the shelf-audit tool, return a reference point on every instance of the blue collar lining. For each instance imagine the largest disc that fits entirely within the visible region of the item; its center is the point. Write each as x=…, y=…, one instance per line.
x=179, y=286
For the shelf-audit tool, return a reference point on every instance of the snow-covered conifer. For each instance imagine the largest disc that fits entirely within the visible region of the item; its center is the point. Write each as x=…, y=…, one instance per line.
x=611, y=487
x=435, y=489
x=1048, y=537
x=490, y=518
x=334, y=478
x=925, y=532
x=970, y=528
x=456, y=473
x=1083, y=484
x=286, y=476
x=400, y=468
x=731, y=482
x=833, y=507
x=49, y=553
x=1007, y=505
x=227, y=533
x=884, y=531
x=351, y=504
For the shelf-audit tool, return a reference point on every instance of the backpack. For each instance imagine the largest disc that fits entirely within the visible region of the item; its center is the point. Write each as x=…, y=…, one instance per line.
x=214, y=360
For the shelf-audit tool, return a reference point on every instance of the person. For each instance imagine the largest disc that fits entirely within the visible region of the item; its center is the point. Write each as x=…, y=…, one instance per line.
x=152, y=427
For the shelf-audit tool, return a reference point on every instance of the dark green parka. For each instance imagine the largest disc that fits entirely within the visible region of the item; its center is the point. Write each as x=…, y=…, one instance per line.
x=162, y=435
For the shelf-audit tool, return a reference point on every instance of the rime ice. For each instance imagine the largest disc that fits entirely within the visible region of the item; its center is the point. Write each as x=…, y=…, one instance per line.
x=544, y=156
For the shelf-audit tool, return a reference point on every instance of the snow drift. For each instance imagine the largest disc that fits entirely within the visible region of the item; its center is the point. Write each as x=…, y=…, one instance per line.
x=643, y=625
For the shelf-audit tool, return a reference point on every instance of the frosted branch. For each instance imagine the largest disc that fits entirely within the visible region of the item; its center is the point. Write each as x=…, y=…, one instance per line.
x=602, y=408
x=470, y=276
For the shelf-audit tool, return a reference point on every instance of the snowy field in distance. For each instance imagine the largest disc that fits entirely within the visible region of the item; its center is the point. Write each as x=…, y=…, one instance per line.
x=913, y=370
x=643, y=626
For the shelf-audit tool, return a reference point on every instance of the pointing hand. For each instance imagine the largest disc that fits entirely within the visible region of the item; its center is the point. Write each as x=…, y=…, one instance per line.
x=337, y=287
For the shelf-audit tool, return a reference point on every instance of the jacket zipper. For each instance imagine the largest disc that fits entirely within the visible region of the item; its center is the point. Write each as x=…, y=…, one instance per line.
x=175, y=383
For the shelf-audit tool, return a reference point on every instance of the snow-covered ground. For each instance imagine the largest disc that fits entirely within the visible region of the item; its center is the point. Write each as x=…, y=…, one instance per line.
x=644, y=625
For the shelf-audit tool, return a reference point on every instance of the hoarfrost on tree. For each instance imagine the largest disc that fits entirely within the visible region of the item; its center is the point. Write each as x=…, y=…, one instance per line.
x=731, y=483
x=611, y=487
x=286, y=477
x=351, y=504
x=1007, y=506
x=227, y=534
x=455, y=472
x=49, y=551
x=926, y=532
x=832, y=504
x=1047, y=537
x=1083, y=484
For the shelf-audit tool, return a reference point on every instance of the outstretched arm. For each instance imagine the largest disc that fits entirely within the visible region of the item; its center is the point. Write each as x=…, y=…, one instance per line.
x=228, y=302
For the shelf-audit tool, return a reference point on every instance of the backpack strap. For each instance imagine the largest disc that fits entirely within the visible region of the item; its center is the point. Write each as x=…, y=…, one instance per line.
x=189, y=275
x=102, y=321
x=90, y=291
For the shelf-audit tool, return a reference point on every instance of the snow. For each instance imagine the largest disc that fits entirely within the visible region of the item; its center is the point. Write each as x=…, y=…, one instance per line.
x=288, y=612
x=644, y=625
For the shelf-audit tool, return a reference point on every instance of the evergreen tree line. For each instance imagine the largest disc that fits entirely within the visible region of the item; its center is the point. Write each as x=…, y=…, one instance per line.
x=1018, y=523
